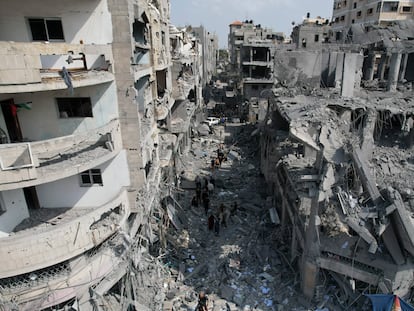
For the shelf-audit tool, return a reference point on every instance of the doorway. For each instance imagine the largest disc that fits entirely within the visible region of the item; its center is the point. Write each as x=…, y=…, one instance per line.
x=9, y=110
x=32, y=200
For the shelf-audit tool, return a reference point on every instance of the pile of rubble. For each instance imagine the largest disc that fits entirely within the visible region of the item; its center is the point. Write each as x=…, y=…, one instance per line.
x=239, y=269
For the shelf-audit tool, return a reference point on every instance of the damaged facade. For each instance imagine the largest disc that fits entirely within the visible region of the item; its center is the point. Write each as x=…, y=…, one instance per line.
x=336, y=151
x=89, y=111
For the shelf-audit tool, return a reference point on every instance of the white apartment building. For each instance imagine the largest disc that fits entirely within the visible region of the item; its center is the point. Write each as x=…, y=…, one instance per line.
x=84, y=87
x=368, y=12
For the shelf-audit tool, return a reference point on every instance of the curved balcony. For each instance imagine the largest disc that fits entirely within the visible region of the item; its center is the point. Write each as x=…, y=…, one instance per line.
x=32, y=163
x=67, y=236
x=37, y=66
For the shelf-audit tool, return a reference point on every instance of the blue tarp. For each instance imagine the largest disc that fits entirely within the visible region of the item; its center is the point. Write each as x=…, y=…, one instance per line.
x=385, y=302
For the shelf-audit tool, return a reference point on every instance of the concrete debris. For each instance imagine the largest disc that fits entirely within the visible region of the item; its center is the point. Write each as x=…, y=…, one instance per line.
x=238, y=268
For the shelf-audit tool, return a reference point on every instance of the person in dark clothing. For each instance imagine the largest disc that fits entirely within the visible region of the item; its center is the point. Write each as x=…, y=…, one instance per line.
x=202, y=302
x=223, y=215
x=206, y=204
x=211, y=222
x=194, y=201
x=216, y=225
x=198, y=195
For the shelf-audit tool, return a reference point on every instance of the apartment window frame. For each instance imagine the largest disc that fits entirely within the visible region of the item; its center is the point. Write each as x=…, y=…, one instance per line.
x=91, y=178
x=316, y=38
x=49, y=32
x=370, y=11
x=359, y=14
x=74, y=107
x=379, y=7
x=403, y=11
x=355, y=5
x=342, y=18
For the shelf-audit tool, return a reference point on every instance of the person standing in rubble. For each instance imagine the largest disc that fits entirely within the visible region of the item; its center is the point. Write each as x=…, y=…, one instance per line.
x=216, y=225
x=198, y=195
x=210, y=187
x=206, y=202
x=211, y=222
x=223, y=215
x=202, y=302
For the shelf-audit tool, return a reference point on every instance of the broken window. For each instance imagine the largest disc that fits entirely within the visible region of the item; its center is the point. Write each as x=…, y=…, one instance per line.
x=407, y=9
x=162, y=37
x=316, y=38
x=379, y=7
x=370, y=11
x=342, y=17
x=91, y=178
x=355, y=5
x=74, y=107
x=359, y=14
x=161, y=82
x=390, y=6
x=140, y=32
x=46, y=29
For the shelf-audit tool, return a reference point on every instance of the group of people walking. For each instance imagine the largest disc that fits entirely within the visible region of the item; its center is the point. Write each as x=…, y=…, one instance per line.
x=220, y=217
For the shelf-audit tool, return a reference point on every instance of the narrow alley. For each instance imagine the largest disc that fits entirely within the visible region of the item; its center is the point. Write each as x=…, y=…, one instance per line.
x=238, y=268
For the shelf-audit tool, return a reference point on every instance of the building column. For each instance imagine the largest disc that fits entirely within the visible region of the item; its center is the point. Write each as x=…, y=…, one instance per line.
x=395, y=64
x=369, y=72
x=382, y=65
x=403, y=67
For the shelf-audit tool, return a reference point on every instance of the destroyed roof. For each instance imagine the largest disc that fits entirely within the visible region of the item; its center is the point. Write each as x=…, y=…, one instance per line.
x=398, y=36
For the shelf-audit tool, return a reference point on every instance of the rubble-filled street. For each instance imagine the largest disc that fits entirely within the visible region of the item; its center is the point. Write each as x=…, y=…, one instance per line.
x=238, y=268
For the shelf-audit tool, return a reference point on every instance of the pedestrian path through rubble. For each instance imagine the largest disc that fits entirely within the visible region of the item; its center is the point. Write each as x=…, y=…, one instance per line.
x=238, y=268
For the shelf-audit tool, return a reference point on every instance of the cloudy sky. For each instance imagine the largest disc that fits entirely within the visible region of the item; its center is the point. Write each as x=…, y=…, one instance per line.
x=216, y=15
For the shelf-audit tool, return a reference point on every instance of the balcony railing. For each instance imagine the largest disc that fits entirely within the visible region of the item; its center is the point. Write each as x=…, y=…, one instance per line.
x=37, y=66
x=31, y=163
x=78, y=230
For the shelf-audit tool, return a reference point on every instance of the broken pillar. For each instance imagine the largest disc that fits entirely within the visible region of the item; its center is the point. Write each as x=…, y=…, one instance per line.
x=382, y=65
x=394, y=71
x=403, y=67
x=349, y=74
x=369, y=67
x=339, y=69
x=333, y=60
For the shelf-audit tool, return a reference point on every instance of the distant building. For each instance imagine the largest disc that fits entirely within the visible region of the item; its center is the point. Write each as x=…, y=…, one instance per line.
x=368, y=12
x=209, y=43
x=312, y=33
x=246, y=32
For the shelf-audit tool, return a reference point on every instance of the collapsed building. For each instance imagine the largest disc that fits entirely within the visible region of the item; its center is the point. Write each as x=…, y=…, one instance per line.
x=337, y=154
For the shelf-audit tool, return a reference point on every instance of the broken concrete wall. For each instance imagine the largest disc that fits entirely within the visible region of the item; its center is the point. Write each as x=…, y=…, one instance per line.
x=298, y=68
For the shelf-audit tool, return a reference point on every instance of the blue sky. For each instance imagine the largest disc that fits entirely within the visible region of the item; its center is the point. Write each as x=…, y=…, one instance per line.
x=216, y=15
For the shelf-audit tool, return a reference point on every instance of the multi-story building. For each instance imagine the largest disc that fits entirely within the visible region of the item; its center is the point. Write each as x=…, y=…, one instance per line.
x=368, y=12
x=209, y=43
x=86, y=90
x=311, y=33
x=257, y=59
x=251, y=50
x=243, y=32
x=187, y=75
